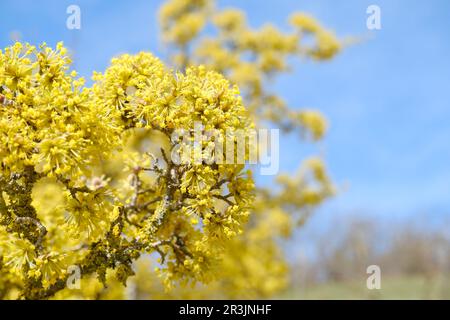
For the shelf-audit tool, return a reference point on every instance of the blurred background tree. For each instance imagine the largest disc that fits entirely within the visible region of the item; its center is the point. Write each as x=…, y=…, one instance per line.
x=414, y=257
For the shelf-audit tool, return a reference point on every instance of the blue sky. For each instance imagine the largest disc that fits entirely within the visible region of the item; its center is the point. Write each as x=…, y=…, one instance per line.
x=386, y=98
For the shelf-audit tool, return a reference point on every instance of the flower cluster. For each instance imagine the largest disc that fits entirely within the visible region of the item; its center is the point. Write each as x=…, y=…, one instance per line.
x=50, y=124
x=74, y=190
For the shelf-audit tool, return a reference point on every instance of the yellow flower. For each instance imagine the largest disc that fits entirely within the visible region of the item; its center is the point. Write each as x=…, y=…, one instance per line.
x=314, y=123
x=20, y=255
